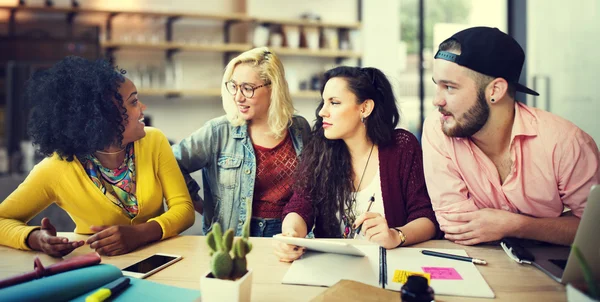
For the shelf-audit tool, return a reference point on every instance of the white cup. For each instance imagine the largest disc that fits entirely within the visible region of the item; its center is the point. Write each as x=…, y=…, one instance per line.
x=292, y=35
x=261, y=36
x=331, y=38
x=312, y=37
x=276, y=40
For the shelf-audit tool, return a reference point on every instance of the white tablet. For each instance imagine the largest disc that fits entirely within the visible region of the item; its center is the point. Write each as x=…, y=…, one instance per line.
x=321, y=245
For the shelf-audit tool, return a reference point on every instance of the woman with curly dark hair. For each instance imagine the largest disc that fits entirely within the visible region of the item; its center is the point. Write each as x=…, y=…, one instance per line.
x=358, y=170
x=107, y=170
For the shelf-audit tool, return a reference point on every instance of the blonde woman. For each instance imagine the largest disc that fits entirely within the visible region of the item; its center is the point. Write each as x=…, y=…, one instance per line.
x=251, y=152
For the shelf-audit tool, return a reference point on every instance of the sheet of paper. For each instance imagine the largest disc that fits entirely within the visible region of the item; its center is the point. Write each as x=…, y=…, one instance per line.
x=448, y=276
x=326, y=269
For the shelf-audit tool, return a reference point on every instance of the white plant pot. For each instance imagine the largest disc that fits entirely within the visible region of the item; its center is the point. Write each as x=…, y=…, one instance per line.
x=218, y=290
x=575, y=295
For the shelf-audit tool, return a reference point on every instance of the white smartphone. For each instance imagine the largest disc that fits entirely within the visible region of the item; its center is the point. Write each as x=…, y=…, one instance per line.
x=150, y=265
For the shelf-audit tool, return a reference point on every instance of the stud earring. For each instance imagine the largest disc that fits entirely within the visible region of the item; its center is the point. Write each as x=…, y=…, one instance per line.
x=492, y=100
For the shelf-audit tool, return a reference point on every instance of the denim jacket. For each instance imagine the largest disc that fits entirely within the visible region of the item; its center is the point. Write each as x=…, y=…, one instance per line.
x=228, y=162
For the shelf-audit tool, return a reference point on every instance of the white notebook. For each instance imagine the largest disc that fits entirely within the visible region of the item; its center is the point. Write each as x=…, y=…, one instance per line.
x=326, y=269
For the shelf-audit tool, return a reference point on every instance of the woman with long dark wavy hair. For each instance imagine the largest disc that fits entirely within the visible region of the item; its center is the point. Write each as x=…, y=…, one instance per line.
x=358, y=170
x=107, y=170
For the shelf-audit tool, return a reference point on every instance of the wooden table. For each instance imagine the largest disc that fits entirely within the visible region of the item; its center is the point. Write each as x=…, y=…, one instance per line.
x=509, y=280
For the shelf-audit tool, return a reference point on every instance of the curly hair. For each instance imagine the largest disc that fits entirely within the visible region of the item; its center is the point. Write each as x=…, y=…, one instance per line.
x=77, y=108
x=326, y=168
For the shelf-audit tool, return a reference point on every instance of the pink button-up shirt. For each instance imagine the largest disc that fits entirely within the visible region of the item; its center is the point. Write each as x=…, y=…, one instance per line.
x=554, y=165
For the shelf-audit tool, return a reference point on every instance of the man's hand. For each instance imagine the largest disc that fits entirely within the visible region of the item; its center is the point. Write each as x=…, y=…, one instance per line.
x=287, y=252
x=45, y=240
x=375, y=229
x=114, y=240
x=480, y=226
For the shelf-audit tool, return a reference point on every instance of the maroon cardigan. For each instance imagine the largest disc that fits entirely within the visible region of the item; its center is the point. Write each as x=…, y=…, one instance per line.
x=403, y=187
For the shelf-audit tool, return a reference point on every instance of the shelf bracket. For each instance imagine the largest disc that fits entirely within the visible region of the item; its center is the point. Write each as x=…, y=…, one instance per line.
x=70, y=20
x=169, y=28
x=12, y=25
x=171, y=52
x=110, y=55
x=108, y=33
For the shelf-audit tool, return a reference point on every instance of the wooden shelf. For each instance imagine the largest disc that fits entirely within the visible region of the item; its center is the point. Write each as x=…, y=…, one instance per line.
x=306, y=94
x=233, y=47
x=308, y=23
x=215, y=92
x=179, y=46
x=328, y=53
x=179, y=92
x=240, y=17
x=68, y=10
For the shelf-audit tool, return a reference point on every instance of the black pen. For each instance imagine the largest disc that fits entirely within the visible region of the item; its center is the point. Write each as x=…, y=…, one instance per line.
x=455, y=257
x=368, y=208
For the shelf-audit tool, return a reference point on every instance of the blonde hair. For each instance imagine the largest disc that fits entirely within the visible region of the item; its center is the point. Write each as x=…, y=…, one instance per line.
x=270, y=70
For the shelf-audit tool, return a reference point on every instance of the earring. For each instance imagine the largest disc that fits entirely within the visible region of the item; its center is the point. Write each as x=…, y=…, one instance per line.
x=362, y=119
x=492, y=100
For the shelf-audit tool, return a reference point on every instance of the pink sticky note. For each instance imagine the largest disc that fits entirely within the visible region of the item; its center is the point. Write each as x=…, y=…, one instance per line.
x=442, y=273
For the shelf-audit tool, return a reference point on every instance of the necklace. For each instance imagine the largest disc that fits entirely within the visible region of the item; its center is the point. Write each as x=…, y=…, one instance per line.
x=362, y=176
x=111, y=153
x=348, y=217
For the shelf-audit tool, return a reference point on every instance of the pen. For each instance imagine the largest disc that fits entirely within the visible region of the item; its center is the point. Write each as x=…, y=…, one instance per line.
x=455, y=257
x=368, y=208
x=108, y=290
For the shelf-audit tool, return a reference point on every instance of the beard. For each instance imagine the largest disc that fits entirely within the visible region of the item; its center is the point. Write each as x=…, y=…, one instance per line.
x=471, y=121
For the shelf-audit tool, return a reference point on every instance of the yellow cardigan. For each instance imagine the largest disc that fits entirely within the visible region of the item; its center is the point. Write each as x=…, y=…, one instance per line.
x=66, y=183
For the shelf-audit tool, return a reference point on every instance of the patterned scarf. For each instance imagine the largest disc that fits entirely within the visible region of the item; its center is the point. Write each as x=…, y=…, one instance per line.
x=119, y=184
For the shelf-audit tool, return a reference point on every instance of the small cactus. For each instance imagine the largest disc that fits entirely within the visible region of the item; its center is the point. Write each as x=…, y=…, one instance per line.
x=223, y=264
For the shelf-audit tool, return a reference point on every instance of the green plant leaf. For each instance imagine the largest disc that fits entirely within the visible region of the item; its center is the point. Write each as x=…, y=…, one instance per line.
x=228, y=240
x=587, y=273
x=210, y=240
x=218, y=235
x=221, y=265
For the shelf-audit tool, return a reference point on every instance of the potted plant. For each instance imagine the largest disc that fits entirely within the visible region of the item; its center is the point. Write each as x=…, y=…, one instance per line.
x=229, y=278
x=576, y=294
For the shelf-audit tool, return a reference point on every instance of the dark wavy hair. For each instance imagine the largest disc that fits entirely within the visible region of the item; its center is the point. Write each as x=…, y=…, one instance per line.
x=77, y=108
x=325, y=168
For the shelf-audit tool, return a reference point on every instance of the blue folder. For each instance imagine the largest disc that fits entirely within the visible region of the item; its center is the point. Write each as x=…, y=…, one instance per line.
x=77, y=284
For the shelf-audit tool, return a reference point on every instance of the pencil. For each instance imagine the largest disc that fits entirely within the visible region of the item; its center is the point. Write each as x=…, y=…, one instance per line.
x=455, y=257
x=371, y=200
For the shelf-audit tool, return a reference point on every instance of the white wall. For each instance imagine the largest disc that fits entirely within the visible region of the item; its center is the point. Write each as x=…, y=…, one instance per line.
x=562, y=43
x=381, y=38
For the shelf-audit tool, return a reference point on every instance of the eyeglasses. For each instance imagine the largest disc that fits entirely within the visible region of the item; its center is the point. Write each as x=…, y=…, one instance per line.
x=246, y=89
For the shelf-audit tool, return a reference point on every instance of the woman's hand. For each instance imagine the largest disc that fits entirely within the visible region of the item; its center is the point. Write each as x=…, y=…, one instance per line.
x=114, y=240
x=287, y=252
x=122, y=239
x=375, y=229
x=45, y=240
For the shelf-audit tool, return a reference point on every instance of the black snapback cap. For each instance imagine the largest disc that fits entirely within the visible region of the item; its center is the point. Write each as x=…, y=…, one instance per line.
x=491, y=52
